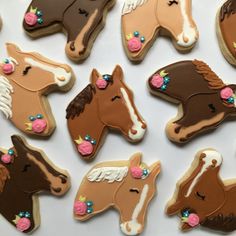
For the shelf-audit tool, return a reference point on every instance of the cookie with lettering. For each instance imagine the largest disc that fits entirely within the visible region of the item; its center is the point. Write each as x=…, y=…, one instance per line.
x=26, y=78
x=203, y=198
x=81, y=20
x=144, y=20
x=24, y=172
x=106, y=103
x=204, y=100
x=127, y=186
x=226, y=32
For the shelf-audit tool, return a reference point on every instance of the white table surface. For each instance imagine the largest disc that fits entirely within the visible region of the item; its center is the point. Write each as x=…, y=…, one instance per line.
x=56, y=214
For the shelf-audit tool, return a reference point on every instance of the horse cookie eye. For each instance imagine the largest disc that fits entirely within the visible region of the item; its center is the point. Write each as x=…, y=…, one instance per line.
x=27, y=68
x=26, y=167
x=134, y=190
x=200, y=196
x=171, y=2
x=115, y=97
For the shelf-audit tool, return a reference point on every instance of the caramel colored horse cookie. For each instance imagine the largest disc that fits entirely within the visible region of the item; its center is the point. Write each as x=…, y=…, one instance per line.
x=205, y=101
x=226, y=31
x=127, y=186
x=105, y=103
x=24, y=172
x=144, y=20
x=203, y=198
x=25, y=80
x=81, y=20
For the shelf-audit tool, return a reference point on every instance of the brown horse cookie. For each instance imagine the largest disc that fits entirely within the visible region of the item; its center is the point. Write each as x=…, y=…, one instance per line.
x=25, y=81
x=24, y=172
x=203, y=198
x=127, y=186
x=144, y=20
x=81, y=20
x=106, y=103
x=226, y=31
x=205, y=101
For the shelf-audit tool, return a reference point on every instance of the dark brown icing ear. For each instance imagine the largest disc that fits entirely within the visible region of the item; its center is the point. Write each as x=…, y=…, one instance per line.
x=18, y=142
x=4, y=175
x=118, y=73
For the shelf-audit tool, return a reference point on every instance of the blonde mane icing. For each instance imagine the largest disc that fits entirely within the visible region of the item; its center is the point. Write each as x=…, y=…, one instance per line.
x=131, y=5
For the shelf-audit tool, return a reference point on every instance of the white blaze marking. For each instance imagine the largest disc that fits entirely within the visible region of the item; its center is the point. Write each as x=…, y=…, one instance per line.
x=210, y=156
x=57, y=71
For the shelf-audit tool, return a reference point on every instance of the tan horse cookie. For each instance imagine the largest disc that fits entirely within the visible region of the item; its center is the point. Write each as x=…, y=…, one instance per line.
x=25, y=81
x=127, y=186
x=144, y=20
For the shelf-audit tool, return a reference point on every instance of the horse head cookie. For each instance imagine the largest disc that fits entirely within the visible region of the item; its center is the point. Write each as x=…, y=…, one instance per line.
x=24, y=172
x=82, y=20
x=226, y=32
x=105, y=103
x=127, y=186
x=25, y=80
x=144, y=20
x=203, y=198
x=205, y=100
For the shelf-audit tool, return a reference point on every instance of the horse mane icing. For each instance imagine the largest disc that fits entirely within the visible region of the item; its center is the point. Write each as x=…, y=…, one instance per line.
x=131, y=5
x=4, y=175
x=228, y=8
x=221, y=222
x=214, y=82
x=77, y=105
x=5, y=96
x=111, y=174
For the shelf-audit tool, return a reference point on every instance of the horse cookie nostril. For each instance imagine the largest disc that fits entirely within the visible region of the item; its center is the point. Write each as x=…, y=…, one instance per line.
x=56, y=190
x=62, y=78
x=186, y=39
x=133, y=131
x=63, y=179
x=144, y=126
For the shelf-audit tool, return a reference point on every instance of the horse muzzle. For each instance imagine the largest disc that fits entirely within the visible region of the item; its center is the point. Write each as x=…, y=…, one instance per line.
x=60, y=185
x=188, y=37
x=137, y=132
x=131, y=227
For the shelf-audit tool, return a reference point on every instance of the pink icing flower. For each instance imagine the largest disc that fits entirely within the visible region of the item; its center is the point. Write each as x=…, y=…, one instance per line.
x=80, y=208
x=101, y=83
x=85, y=148
x=6, y=158
x=193, y=220
x=226, y=93
x=39, y=125
x=7, y=68
x=31, y=18
x=136, y=172
x=134, y=44
x=157, y=81
x=23, y=224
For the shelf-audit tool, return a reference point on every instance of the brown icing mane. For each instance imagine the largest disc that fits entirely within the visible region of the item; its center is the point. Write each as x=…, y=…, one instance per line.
x=228, y=8
x=213, y=80
x=77, y=105
x=4, y=175
x=221, y=222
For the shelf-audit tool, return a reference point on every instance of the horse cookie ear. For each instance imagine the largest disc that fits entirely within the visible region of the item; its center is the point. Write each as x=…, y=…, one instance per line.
x=4, y=175
x=155, y=168
x=12, y=49
x=18, y=142
x=94, y=76
x=118, y=73
x=135, y=160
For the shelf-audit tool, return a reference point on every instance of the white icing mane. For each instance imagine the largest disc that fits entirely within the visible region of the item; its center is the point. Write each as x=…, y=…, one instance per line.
x=210, y=156
x=5, y=97
x=110, y=174
x=131, y=5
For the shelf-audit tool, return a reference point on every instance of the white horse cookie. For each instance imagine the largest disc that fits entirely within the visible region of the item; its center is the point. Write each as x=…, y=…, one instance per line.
x=127, y=186
x=25, y=80
x=144, y=20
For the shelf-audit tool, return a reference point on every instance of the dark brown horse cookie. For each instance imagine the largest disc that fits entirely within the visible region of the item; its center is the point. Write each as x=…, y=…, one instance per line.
x=105, y=103
x=203, y=198
x=82, y=21
x=205, y=101
x=226, y=30
x=24, y=172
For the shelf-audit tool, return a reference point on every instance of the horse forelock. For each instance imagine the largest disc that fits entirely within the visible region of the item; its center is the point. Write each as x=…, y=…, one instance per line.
x=131, y=5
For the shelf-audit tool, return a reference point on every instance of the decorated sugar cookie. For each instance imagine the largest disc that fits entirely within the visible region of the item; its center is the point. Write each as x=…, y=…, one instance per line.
x=25, y=80
x=127, y=186
x=144, y=20
x=106, y=103
x=205, y=101
x=81, y=20
x=24, y=172
x=226, y=31
x=203, y=198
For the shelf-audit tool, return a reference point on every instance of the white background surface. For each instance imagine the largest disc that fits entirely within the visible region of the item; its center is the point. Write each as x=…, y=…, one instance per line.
x=56, y=214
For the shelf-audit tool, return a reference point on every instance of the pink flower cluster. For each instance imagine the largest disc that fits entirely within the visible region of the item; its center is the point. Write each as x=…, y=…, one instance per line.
x=80, y=208
x=134, y=44
x=39, y=125
x=23, y=224
x=157, y=81
x=226, y=93
x=193, y=220
x=85, y=148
